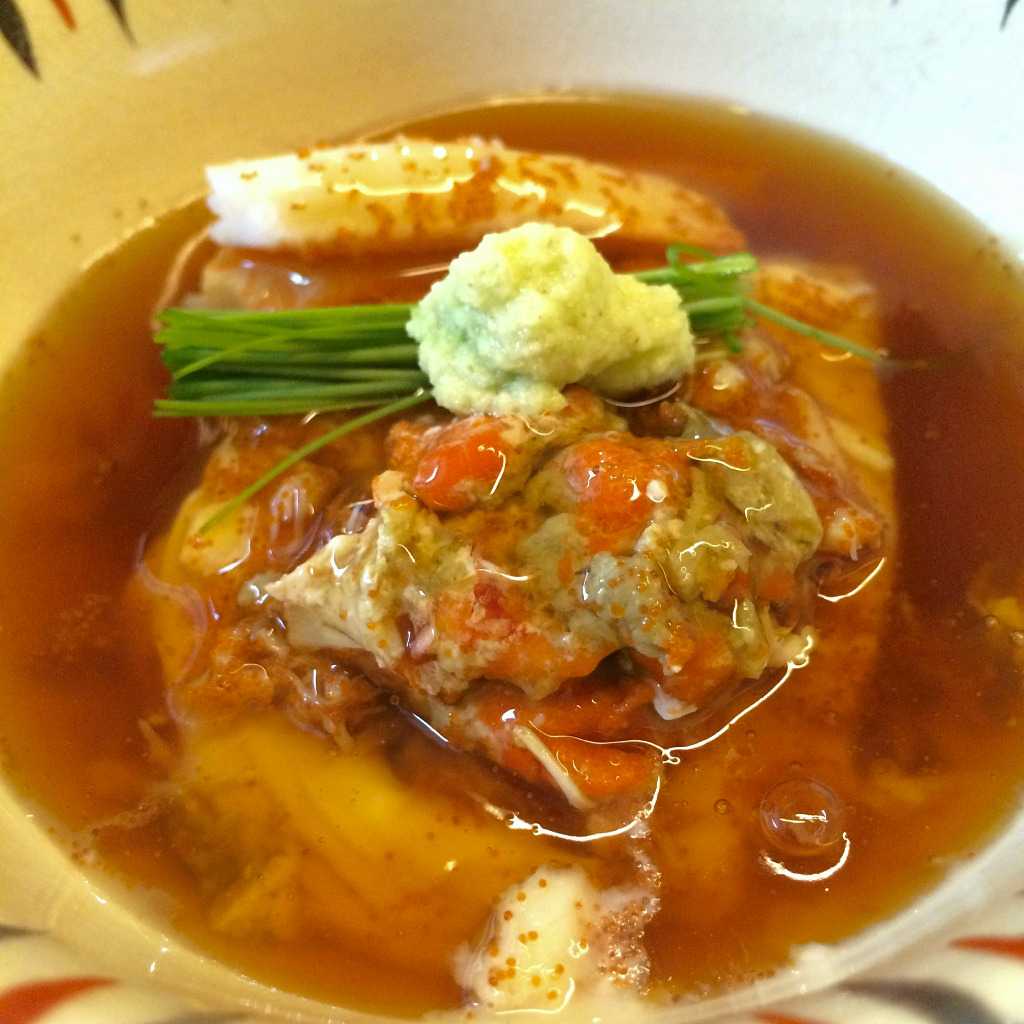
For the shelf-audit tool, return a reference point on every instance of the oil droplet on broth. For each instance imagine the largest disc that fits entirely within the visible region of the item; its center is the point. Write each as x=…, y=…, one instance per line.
x=802, y=817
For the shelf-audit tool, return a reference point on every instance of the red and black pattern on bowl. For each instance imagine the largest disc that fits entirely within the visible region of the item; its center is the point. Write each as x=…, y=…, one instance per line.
x=35, y=999
x=15, y=30
x=42, y=978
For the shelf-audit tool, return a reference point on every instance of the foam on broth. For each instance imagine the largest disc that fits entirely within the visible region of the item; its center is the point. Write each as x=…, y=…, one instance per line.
x=86, y=473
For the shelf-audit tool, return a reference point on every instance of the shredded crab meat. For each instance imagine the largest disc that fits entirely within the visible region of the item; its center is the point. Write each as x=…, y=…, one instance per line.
x=526, y=738
x=504, y=561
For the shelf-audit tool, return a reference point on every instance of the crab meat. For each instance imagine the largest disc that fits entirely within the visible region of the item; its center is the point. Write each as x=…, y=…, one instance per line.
x=416, y=195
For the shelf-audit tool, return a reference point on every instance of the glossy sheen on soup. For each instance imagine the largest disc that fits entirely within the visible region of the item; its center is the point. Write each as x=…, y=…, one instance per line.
x=301, y=806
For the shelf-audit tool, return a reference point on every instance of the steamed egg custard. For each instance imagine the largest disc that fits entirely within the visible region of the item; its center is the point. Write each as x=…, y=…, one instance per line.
x=623, y=658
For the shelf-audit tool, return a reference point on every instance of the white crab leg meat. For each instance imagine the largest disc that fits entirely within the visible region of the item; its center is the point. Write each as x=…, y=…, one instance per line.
x=422, y=195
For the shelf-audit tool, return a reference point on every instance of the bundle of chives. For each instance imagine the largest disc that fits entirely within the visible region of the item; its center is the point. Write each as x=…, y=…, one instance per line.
x=235, y=363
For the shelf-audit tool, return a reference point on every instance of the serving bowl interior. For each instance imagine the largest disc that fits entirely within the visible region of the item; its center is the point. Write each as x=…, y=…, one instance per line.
x=112, y=113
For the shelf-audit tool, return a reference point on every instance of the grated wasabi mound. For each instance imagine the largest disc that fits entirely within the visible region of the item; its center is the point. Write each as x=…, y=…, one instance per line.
x=536, y=308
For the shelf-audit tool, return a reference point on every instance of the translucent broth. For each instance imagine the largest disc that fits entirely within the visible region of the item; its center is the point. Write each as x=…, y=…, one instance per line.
x=85, y=473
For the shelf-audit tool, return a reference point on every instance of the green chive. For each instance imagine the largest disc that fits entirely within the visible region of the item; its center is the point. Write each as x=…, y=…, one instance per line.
x=315, y=445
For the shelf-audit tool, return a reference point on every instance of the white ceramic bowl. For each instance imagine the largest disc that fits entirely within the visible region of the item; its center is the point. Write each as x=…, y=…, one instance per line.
x=110, y=111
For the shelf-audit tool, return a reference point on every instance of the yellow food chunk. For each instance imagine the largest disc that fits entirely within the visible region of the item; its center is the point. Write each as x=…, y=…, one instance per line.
x=361, y=855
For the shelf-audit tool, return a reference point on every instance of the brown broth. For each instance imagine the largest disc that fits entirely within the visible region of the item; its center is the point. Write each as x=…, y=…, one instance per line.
x=86, y=473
